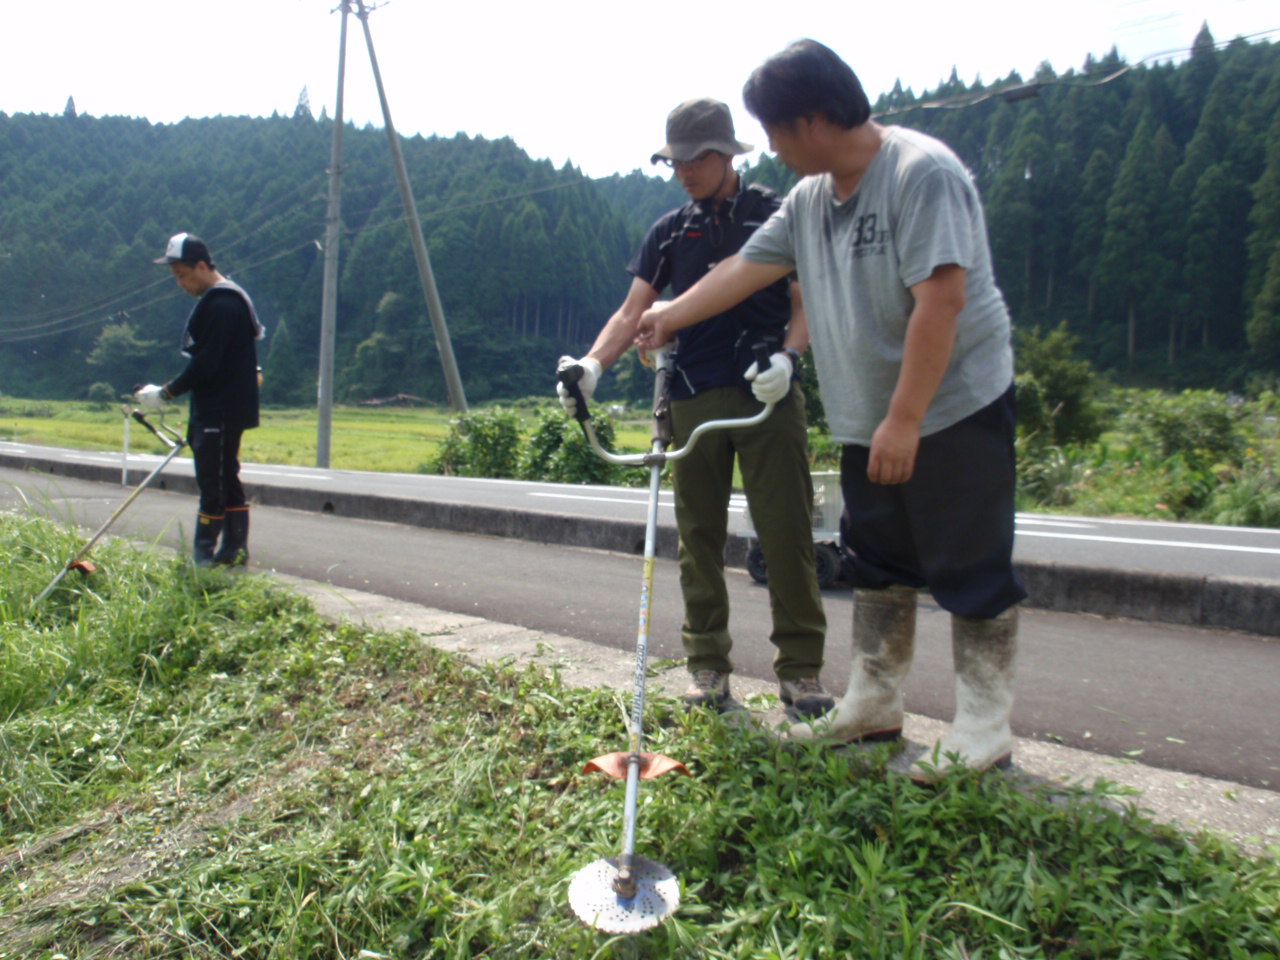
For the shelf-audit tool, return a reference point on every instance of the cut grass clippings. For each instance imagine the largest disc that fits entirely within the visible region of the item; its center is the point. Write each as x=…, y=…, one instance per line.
x=195, y=764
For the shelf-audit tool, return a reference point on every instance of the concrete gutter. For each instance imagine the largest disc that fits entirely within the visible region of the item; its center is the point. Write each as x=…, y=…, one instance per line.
x=1233, y=603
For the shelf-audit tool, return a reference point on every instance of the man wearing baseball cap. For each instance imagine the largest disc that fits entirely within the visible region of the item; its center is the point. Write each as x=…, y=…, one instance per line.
x=222, y=378
x=715, y=379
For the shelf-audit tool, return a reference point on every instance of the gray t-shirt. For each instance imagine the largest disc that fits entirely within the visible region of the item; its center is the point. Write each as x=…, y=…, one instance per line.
x=915, y=209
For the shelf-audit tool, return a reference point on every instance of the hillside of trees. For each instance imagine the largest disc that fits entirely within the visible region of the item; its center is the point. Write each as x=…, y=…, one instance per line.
x=1139, y=204
x=529, y=259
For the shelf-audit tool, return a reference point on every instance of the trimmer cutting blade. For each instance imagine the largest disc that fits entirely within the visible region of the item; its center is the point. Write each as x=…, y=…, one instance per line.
x=593, y=896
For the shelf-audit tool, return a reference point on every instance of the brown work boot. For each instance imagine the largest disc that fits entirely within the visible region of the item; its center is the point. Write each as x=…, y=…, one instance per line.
x=709, y=688
x=805, y=696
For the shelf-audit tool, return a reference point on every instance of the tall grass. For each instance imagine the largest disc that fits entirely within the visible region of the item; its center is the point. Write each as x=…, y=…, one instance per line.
x=207, y=769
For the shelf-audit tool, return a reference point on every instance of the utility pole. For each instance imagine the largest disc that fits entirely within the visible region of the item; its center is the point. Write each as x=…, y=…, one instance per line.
x=329, y=295
x=457, y=399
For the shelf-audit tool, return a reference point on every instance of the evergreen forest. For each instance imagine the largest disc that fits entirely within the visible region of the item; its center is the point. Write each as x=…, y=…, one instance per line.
x=1139, y=205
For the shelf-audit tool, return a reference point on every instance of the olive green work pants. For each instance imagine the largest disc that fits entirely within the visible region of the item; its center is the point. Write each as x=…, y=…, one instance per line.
x=773, y=458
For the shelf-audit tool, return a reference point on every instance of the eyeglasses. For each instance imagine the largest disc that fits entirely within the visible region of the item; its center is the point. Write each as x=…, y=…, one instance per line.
x=699, y=159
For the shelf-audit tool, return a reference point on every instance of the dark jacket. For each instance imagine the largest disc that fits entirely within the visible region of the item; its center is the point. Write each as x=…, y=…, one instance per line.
x=222, y=376
x=678, y=251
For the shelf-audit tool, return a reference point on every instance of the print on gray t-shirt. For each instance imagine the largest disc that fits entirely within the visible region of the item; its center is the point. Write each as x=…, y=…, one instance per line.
x=915, y=209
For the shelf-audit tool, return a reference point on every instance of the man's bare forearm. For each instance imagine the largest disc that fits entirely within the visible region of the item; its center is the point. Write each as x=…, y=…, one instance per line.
x=618, y=334
x=931, y=333
x=731, y=282
x=798, y=328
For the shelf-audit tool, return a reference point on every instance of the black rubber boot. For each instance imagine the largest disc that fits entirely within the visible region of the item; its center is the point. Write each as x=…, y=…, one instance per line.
x=206, y=539
x=234, y=551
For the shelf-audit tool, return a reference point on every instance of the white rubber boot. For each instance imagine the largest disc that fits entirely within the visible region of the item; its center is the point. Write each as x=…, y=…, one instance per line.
x=980, y=738
x=884, y=633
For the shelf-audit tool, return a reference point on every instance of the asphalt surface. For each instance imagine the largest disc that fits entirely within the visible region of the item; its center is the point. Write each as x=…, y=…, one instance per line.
x=1202, y=701
x=1171, y=573
x=1118, y=544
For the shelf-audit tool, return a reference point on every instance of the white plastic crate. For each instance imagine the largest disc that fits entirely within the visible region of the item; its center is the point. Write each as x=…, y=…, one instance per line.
x=828, y=504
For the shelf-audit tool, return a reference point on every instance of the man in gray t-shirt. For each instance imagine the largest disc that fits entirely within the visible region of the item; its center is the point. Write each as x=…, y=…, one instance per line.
x=914, y=209
x=911, y=343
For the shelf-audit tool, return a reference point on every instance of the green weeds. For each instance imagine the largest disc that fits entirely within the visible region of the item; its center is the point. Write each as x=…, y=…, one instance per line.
x=1198, y=455
x=195, y=765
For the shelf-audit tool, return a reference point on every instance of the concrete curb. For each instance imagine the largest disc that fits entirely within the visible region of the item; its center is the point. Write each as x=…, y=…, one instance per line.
x=1231, y=603
x=1248, y=815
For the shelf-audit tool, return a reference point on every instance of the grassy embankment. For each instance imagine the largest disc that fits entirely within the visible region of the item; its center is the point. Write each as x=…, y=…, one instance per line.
x=194, y=764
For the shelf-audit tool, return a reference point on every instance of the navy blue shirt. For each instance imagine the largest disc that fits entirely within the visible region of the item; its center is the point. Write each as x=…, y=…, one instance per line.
x=678, y=251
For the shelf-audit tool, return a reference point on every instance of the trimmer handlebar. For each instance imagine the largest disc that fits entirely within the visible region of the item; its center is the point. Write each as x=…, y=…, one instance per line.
x=763, y=361
x=164, y=433
x=571, y=375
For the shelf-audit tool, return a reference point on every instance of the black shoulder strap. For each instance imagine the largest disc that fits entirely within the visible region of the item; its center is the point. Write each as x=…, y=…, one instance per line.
x=751, y=201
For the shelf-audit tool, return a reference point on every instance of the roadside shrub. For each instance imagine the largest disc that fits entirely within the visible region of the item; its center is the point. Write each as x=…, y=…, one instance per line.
x=814, y=412
x=1200, y=426
x=1055, y=388
x=481, y=444
x=1248, y=498
x=824, y=453
x=559, y=453
x=101, y=394
x=1050, y=476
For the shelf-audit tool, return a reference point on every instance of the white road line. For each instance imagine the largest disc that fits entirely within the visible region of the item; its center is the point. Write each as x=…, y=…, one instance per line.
x=1095, y=538
x=275, y=473
x=1137, y=542
x=1054, y=523
x=1159, y=524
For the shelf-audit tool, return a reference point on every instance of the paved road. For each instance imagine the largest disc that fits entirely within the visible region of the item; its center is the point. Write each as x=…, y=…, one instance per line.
x=1176, y=697
x=1184, y=548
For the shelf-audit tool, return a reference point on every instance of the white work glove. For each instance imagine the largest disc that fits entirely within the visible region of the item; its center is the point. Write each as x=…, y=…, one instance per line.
x=591, y=371
x=775, y=383
x=151, y=397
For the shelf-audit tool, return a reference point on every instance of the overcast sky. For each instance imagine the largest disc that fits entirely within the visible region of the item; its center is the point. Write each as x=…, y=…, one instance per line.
x=588, y=82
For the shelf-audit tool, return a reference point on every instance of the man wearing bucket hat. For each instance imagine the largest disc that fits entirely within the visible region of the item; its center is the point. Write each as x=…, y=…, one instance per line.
x=715, y=379
x=222, y=378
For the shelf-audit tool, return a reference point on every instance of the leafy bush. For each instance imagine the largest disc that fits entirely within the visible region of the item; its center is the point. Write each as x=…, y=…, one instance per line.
x=1198, y=426
x=1050, y=476
x=1055, y=388
x=102, y=394
x=824, y=453
x=815, y=413
x=1248, y=498
x=558, y=451
x=481, y=444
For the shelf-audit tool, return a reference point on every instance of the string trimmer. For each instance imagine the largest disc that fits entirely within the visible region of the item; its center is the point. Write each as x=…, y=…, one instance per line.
x=629, y=893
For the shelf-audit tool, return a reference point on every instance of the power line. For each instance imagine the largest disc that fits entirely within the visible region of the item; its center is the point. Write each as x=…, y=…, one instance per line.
x=1012, y=93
